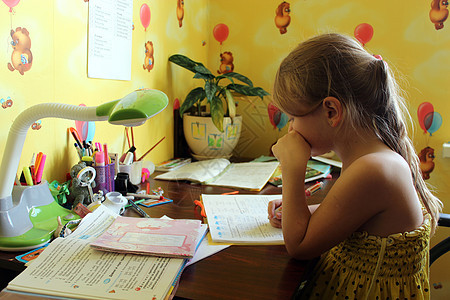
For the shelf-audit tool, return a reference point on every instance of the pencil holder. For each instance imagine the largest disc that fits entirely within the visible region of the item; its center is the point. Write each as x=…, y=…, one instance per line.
x=104, y=179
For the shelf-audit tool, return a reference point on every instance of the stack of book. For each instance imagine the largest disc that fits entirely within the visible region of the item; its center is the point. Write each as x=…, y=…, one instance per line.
x=144, y=259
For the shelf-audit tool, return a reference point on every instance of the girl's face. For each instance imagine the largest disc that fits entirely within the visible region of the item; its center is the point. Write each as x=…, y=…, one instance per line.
x=315, y=130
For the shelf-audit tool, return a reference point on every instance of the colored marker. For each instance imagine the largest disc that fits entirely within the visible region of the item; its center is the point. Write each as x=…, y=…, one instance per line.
x=314, y=188
x=41, y=169
x=27, y=175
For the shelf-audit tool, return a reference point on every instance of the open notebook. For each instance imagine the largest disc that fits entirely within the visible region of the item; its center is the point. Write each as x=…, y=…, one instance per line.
x=220, y=172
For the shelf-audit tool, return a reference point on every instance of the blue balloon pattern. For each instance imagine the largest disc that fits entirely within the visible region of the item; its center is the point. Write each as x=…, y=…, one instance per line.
x=435, y=119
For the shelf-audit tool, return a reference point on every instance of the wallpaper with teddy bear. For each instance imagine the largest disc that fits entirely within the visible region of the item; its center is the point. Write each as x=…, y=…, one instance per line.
x=44, y=59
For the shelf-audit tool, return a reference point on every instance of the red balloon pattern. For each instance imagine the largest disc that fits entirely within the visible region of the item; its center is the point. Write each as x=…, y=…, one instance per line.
x=364, y=33
x=221, y=32
x=11, y=3
x=277, y=118
x=145, y=15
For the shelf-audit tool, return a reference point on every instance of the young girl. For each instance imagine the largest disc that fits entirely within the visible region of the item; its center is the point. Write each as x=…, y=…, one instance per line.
x=374, y=225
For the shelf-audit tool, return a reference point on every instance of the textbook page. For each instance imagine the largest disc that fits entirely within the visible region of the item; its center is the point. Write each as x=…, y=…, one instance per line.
x=71, y=268
x=94, y=224
x=251, y=175
x=241, y=219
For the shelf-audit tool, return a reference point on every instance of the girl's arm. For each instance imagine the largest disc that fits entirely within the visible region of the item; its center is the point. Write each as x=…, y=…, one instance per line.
x=293, y=152
x=275, y=212
x=360, y=194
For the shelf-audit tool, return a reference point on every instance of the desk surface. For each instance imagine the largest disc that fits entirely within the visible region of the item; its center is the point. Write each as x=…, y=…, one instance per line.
x=238, y=272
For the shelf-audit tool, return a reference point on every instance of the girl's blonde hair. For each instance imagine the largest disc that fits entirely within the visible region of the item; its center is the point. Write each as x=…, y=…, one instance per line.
x=338, y=66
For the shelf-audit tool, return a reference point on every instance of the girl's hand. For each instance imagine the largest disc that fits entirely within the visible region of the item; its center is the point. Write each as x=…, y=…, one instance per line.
x=274, y=210
x=292, y=150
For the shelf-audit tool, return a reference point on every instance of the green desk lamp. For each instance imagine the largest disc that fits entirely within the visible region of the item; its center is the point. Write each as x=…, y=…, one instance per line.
x=28, y=214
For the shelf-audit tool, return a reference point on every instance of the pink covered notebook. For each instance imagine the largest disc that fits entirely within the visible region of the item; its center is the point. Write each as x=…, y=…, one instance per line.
x=150, y=236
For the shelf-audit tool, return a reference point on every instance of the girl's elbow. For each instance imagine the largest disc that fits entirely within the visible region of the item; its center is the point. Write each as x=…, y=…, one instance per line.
x=300, y=253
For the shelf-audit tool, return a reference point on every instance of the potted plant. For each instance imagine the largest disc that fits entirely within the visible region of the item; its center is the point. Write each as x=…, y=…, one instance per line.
x=217, y=95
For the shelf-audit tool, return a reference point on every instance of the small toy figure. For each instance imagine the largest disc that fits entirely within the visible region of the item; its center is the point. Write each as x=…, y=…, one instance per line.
x=426, y=157
x=64, y=230
x=79, y=191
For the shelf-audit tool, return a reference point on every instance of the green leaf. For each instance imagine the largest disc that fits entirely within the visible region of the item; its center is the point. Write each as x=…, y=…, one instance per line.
x=217, y=112
x=184, y=61
x=237, y=76
x=200, y=68
x=210, y=89
x=231, y=104
x=194, y=96
x=247, y=90
x=203, y=76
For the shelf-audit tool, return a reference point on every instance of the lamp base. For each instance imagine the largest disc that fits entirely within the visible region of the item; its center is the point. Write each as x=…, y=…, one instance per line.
x=42, y=213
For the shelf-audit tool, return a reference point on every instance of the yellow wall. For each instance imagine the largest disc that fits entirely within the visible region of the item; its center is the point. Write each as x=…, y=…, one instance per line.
x=58, y=32
x=403, y=35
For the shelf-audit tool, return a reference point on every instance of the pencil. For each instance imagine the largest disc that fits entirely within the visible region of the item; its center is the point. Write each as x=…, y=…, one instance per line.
x=151, y=149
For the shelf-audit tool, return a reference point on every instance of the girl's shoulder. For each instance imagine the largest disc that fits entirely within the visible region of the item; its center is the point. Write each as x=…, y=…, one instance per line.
x=378, y=177
x=386, y=165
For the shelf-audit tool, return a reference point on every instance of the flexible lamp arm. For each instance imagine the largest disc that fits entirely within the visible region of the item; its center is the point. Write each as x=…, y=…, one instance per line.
x=18, y=132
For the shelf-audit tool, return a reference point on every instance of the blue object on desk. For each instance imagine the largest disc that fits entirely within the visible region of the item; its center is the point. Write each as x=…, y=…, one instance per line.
x=151, y=203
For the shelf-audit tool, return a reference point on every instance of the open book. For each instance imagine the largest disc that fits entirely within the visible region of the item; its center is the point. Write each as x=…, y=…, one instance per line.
x=241, y=219
x=70, y=267
x=150, y=236
x=220, y=172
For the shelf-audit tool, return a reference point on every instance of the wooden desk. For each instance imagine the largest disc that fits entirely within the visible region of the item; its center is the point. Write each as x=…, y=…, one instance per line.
x=238, y=272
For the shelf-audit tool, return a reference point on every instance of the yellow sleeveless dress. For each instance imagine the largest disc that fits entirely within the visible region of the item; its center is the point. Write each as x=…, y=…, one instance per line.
x=371, y=267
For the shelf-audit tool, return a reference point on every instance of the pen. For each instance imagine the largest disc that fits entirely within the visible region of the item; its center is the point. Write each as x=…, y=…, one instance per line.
x=314, y=188
x=137, y=202
x=138, y=209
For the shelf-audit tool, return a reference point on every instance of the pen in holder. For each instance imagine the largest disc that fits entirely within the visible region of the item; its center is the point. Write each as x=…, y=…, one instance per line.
x=105, y=178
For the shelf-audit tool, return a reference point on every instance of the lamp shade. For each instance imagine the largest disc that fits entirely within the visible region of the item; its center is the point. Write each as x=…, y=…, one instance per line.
x=135, y=108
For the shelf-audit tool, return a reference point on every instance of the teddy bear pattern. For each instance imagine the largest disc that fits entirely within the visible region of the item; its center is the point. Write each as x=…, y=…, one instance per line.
x=439, y=13
x=149, y=62
x=282, y=17
x=180, y=12
x=226, y=63
x=21, y=58
x=79, y=193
